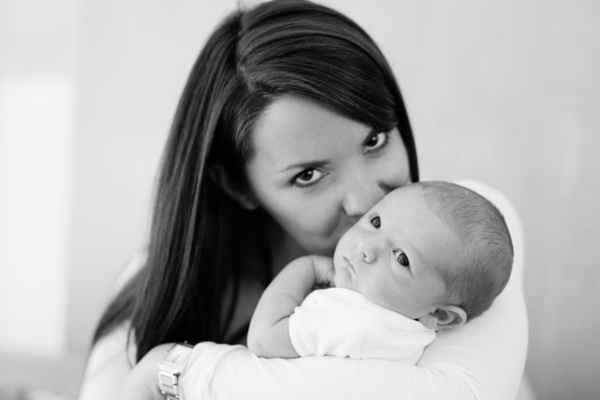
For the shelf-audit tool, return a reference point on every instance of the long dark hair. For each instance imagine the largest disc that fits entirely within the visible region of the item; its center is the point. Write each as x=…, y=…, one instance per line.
x=285, y=47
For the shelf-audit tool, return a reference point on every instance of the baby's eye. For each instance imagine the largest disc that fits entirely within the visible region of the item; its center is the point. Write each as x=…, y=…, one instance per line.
x=307, y=178
x=402, y=258
x=376, y=222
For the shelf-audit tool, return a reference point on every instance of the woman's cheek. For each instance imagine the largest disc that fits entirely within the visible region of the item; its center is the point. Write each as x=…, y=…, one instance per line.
x=319, y=226
x=394, y=165
x=393, y=174
x=316, y=218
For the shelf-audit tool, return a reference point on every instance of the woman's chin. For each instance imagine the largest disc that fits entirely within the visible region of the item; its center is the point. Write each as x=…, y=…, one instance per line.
x=320, y=249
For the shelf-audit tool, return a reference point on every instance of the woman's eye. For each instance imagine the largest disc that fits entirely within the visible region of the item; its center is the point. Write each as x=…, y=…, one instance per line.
x=376, y=222
x=307, y=177
x=402, y=259
x=377, y=141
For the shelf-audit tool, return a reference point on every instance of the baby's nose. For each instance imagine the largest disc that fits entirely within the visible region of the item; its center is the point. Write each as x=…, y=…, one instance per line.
x=369, y=251
x=369, y=256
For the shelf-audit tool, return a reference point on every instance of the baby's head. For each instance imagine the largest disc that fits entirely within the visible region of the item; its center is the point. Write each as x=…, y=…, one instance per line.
x=432, y=251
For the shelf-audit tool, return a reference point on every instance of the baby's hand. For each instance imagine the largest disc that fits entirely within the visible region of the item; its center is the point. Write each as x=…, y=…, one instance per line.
x=324, y=271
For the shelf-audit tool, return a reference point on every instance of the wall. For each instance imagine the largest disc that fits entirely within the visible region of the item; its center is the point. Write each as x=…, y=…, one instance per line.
x=37, y=114
x=506, y=92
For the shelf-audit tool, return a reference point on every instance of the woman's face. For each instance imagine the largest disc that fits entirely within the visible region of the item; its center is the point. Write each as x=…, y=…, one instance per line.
x=317, y=172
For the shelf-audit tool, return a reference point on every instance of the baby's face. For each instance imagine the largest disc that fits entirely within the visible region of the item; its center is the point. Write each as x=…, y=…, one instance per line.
x=393, y=254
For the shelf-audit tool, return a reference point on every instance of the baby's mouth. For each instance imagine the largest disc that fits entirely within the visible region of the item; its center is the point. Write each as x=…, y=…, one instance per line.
x=348, y=264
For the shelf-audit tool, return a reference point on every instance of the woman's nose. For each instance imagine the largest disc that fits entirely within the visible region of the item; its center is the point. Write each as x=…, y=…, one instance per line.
x=362, y=192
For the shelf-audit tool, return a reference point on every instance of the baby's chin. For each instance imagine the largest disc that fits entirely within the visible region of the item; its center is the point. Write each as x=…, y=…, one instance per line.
x=343, y=279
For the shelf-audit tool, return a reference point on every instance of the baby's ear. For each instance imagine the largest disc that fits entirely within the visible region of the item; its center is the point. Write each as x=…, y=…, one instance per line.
x=219, y=175
x=444, y=317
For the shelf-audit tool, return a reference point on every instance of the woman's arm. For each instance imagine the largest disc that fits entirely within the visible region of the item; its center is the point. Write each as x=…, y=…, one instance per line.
x=483, y=359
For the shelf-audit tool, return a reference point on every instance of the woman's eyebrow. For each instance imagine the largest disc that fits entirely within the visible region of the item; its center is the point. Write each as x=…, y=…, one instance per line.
x=305, y=165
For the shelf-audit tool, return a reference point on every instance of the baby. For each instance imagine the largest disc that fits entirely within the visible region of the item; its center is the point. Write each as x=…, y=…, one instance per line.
x=428, y=256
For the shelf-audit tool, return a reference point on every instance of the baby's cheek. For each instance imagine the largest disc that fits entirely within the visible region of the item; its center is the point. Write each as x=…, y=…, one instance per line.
x=343, y=279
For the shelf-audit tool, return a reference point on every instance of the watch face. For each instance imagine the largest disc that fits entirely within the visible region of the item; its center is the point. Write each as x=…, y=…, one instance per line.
x=179, y=354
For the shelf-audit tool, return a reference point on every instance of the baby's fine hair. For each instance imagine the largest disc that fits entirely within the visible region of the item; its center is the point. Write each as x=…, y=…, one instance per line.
x=486, y=246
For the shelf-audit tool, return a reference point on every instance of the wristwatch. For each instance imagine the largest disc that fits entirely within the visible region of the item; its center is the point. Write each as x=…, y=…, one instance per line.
x=171, y=367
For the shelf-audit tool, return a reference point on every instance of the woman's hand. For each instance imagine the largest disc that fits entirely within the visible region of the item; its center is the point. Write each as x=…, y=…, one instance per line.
x=142, y=381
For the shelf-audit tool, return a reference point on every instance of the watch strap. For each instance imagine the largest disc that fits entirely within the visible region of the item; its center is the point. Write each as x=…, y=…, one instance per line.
x=171, y=367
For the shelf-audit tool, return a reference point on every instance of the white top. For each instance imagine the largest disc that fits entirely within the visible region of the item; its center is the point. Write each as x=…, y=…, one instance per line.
x=343, y=323
x=483, y=359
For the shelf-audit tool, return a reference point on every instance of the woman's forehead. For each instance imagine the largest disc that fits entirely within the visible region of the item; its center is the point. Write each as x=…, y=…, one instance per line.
x=293, y=130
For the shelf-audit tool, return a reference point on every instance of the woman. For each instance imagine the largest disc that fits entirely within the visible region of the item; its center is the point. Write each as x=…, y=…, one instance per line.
x=290, y=127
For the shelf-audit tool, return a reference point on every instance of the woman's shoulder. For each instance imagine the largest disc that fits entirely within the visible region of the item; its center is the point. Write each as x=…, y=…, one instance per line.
x=132, y=266
x=116, y=342
x=110, y=360
x=112, y=355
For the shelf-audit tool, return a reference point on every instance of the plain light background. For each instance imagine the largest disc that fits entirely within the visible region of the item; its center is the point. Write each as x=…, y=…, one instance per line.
x=503, y=91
